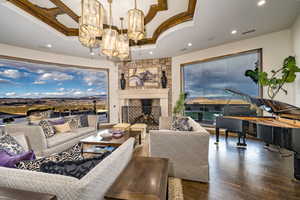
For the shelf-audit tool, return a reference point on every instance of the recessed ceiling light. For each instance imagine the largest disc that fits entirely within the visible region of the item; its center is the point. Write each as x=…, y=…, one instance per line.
x=261, y=2
x=234, y=32
x=190, y=44
x=150, y=52
x=49, y=46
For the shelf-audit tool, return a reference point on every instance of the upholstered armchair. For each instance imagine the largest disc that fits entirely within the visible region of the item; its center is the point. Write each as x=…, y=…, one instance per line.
x=187, y=151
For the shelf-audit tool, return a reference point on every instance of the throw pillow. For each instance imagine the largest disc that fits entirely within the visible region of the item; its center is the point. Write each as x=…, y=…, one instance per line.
x=47, y=128
x=46, y=114
x=77, y=169
x=84, y=121
x=10, y=145
x=73, y=121
x=9, y=160
x=62, y=128
x=73, y=153
x=181, y=124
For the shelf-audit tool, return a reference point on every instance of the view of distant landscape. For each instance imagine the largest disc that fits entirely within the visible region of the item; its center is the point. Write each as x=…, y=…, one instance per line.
x=28, y=87
x=204, y=82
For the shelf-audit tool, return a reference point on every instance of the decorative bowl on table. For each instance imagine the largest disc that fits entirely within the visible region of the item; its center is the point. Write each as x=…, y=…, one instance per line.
x=117, y=136
x=106, y=135
x=117, y=133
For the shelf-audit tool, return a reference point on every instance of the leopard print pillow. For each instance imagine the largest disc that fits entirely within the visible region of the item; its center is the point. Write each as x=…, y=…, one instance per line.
x=10, y=145
x=71, y=154
x=47, y=128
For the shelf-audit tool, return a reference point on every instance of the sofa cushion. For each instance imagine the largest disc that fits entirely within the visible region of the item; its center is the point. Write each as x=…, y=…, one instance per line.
x=47, y=128
x=77, y=169
x=73, y=153
x=58, y=139
x=181, y=124
x=57, y=121
x=84, y=130
x=9, y=144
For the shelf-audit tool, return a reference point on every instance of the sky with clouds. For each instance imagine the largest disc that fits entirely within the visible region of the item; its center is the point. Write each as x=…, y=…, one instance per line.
x=23, y=79
x=209, y=79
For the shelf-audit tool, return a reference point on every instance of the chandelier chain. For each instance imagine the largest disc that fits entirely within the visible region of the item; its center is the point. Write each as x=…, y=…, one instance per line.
x=110, y=14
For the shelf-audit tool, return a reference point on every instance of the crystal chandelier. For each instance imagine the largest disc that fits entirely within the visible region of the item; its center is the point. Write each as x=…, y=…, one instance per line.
x=136, y=26
x=92, y=35
x=91, y=23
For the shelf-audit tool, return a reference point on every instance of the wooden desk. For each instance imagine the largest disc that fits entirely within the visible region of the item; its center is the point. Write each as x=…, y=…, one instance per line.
x=14, y=194
x=143, y=178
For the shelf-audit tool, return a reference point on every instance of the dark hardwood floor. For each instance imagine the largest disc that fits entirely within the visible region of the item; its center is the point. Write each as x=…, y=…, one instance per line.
x=252, y=173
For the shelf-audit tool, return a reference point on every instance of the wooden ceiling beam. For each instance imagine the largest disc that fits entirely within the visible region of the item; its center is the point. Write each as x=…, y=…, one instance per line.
x=54, y=11
x=49, y=17
x=66, y=9
x=154, y=9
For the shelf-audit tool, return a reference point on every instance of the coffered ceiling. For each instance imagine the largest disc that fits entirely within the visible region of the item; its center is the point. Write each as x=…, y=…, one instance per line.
x=170, y=24
x=63, y=15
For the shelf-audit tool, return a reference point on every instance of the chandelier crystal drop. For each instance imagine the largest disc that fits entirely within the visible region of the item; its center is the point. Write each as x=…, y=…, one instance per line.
x=110, y=38
x=123, y=44
x=136, y=25
x=91, y=23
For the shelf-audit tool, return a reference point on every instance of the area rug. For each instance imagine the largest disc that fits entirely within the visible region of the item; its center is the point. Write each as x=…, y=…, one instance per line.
x=175, y=191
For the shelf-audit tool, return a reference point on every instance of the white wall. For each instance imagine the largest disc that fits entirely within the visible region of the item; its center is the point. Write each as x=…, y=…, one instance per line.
x=296, y=48
x=296, y=38
x=7, y=50
x=276, y=46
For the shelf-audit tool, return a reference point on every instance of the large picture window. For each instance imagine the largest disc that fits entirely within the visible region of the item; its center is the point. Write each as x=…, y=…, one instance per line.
x=28, y=88
x=205, y=83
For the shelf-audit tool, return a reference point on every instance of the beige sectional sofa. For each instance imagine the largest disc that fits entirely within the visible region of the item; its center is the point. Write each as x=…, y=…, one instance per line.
x=92, y=186
x=187, y=151
x=43, y=146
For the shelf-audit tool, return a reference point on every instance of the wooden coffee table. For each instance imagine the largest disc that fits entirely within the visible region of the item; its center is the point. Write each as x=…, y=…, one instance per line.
x=143, y=178
x=14, y=194
x=89, y=143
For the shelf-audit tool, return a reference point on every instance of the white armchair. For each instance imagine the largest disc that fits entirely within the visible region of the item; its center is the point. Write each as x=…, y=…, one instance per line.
x=186, y=151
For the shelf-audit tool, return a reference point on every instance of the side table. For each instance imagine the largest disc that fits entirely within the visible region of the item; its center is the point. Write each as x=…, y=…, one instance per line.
x=143, y=178
x=138, y=130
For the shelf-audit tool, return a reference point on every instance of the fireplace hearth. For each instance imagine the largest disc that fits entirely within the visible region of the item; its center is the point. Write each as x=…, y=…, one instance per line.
x=145, y=113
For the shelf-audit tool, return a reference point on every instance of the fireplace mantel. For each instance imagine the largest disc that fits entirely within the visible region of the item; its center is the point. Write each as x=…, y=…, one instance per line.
x=144, y=94
x=161, y=94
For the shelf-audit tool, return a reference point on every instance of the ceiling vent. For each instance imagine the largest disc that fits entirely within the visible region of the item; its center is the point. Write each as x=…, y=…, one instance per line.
x=249, y=31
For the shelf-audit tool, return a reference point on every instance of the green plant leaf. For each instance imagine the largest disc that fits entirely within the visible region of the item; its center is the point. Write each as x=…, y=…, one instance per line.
x=286, y=74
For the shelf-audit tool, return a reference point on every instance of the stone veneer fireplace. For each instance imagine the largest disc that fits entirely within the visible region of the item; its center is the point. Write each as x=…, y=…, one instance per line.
x=134, y=102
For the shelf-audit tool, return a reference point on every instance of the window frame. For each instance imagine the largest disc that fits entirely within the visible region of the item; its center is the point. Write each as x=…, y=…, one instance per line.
x=69, y=66
x=260, y=66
